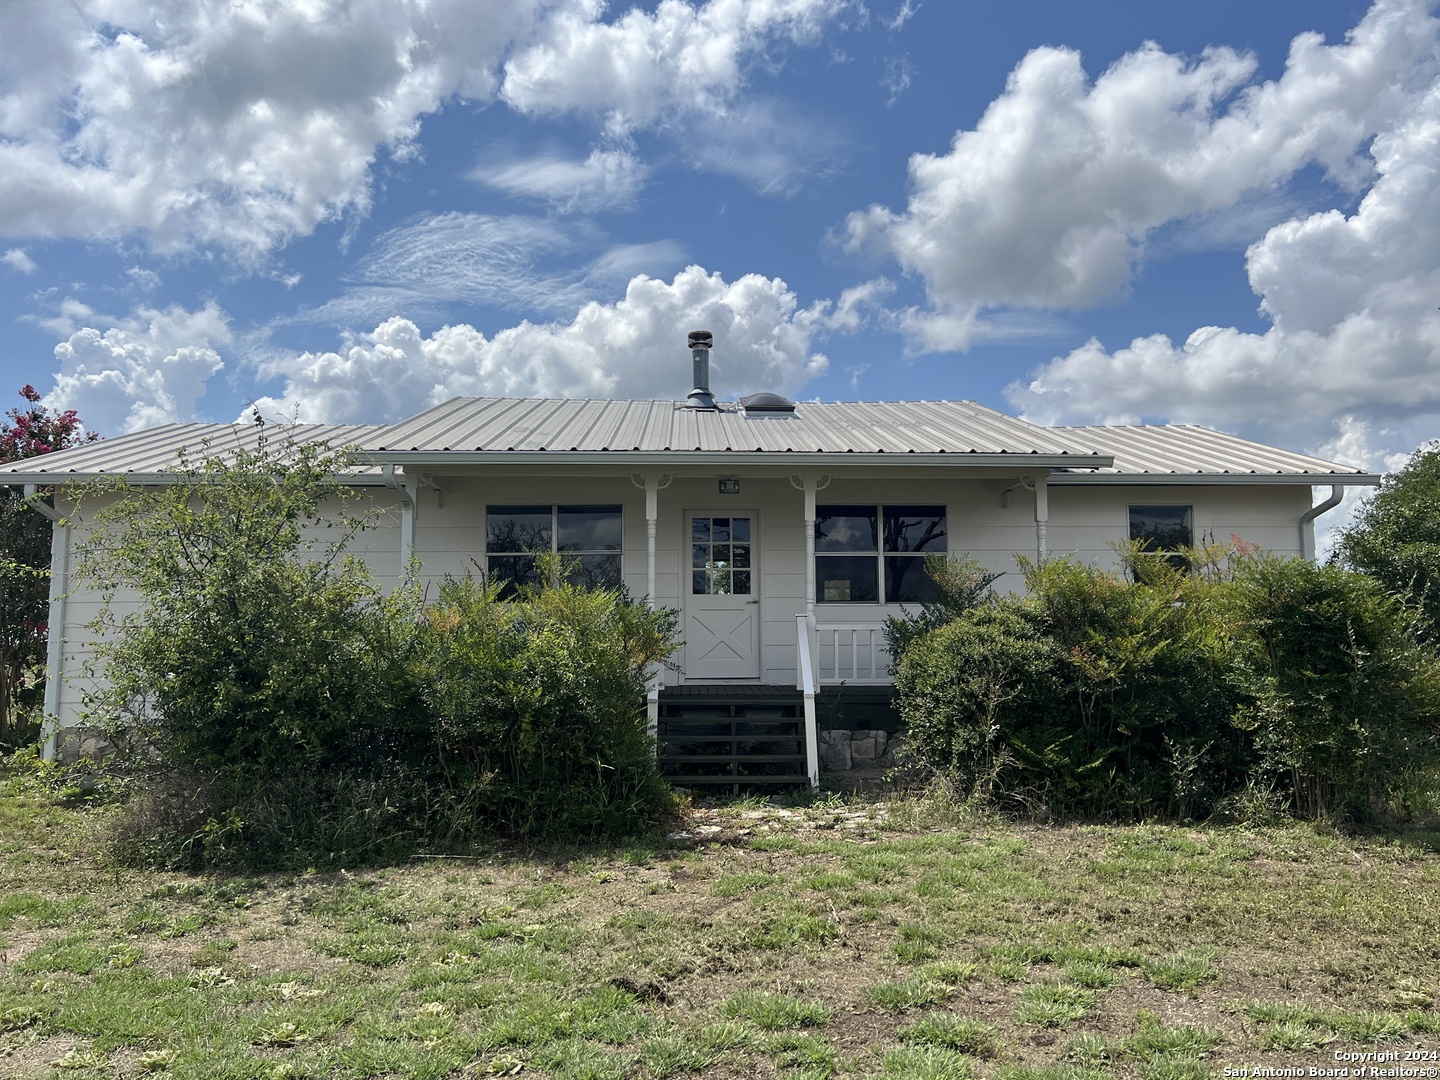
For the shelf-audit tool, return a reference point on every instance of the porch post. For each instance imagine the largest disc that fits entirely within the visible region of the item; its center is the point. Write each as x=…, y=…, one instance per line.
x=652, y=484
x=810, y=552
x=1042, y=514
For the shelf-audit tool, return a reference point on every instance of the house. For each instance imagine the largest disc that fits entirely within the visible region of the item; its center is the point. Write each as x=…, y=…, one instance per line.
x=784, y=533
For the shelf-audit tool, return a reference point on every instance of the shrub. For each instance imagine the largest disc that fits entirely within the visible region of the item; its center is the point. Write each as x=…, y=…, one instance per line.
x=1094, y=695
x=538, y=705
x=283, y=711
x=1340, y=695
x=966, y=688
x=1142, y=726
x=258, y=646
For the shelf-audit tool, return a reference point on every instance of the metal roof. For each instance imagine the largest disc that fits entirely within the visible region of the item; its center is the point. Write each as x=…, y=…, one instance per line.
x=479, y=430
x=152, y=454
x=567, y=426
x=1185, y=453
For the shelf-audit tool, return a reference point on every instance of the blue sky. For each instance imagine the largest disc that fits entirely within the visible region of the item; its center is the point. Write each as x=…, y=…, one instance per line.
x=1078, y=212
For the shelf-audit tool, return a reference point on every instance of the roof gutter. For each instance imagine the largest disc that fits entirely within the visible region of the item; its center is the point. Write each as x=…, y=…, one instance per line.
x=1216, y=479
x=152, y=479
x=55, y=624
x=1307, y=520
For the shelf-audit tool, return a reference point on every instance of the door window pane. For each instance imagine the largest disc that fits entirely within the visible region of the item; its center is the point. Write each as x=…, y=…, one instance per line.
x=720, y=565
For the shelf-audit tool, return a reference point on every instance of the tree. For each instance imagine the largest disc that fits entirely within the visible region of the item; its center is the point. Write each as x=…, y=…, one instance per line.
x=1395, y=537
x=28, y=431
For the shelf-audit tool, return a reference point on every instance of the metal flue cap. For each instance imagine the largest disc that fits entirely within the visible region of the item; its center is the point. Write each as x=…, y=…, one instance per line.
x=701, y=339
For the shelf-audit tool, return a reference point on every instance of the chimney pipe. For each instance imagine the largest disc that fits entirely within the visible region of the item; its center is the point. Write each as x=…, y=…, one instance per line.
x=700, y=342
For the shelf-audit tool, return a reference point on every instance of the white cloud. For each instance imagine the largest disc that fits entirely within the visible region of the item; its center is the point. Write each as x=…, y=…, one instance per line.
x=905, y=13
x=645, y=66
x=1351, y=363
x=422, y=269
x=17, y=260
x=1047, y=203
x=634, y=347
x=212, y=124
x=896, y=79
x=145, y=280
x=608, y=179
x=151, y=369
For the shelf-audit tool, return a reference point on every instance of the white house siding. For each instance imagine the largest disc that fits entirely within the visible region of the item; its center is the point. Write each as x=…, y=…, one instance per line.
x=1086, y=520
x=449, y=538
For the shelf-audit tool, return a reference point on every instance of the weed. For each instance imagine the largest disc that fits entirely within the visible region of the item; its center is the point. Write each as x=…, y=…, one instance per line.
x=771, y=1012
x=669, y=1055
x=924, y=1063
x=962, y=1034
x=914, y=992
x=1054, y=1006
x=1183, y=970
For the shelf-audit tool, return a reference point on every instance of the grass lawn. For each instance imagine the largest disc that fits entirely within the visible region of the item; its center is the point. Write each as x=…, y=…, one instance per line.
x=845, y=940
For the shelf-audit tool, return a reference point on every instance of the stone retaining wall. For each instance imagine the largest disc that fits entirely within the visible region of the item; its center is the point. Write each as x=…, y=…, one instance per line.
x=842, y=750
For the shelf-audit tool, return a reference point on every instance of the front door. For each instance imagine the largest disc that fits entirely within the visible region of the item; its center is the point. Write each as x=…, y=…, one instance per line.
x=722, y=605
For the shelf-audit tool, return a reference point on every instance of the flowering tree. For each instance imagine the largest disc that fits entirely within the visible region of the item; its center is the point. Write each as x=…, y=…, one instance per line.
x=27, y=431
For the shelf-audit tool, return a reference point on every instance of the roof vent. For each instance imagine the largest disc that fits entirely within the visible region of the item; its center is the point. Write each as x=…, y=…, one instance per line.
x=700, y=342
x=767, y=404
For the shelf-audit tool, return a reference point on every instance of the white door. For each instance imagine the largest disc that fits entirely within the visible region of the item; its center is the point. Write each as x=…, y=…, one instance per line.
x=722, y=605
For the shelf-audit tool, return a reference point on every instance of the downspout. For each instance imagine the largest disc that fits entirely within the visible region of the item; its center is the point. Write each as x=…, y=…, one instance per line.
x=1307, y=520
x=407, y=518
x=1042, y=516
x=54, y=637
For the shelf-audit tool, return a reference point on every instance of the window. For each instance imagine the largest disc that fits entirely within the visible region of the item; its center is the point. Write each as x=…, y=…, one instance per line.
x=720, y=556
x=1162, y=528
x=588, y=538
x=857, y=548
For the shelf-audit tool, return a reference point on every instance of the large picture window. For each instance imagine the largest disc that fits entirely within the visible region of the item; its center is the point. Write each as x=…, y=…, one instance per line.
x=864, y=552
x=589, y=538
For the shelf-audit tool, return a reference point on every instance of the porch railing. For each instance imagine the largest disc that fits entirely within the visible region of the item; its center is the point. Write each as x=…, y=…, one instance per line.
x=852, y=653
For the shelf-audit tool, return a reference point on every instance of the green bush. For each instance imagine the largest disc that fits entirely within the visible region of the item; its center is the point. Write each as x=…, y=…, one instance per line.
x=538, y=704
x=1340, y=695
x=966, y=688
x=279, y=709
x=1145, y=701
x=258, y=646
x=1180, y=692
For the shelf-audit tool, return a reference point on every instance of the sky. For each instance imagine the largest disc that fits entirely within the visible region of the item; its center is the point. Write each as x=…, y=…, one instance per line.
x=1070, y=210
